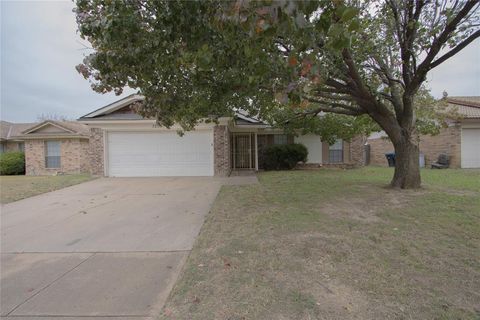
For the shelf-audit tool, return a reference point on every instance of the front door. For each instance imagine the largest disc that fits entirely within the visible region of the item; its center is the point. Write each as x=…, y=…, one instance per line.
x=243, y=151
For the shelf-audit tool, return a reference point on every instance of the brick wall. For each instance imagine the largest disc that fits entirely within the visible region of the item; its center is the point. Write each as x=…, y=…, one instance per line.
x=357, y=150
x=72, y=159
x=34, y=157
x=353, y=153
x=448, y=142
x=84, y=156
x=221, y=150
x=95, y=152
x=378, y=148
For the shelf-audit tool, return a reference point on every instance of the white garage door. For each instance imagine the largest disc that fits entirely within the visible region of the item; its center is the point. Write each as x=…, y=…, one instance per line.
x=154, y=154
x=470, y=148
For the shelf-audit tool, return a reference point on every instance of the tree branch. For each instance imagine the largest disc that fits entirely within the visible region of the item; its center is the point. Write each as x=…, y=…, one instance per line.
x=437, y=44
x=330, y=96
x=455, y=50
x=335, y=107
x=317, y=110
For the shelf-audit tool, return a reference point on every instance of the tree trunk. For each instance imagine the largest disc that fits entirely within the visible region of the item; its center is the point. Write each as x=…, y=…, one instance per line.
x=407, y=167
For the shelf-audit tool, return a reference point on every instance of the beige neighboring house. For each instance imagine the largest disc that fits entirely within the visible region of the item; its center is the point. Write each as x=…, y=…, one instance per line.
x=460, y=140
x=50, y=147
x=8, y=131
x=115, y=141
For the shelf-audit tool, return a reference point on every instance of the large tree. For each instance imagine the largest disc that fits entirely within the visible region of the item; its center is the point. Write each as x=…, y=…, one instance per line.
x=286, y=61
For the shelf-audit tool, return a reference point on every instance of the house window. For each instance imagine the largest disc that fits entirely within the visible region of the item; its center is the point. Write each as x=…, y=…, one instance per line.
x=335, y=152
x=2, y=148
x=52, y=154
x=21, y=146
x=280, y=139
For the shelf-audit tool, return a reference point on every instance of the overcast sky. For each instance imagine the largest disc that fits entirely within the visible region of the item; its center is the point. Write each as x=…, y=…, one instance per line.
x=40, y=49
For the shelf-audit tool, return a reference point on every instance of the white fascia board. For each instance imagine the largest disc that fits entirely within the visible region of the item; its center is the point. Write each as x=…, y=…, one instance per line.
x=47, y=123
x=115, y=106
x=147, y=123
x=141, y=125
x=49, y=137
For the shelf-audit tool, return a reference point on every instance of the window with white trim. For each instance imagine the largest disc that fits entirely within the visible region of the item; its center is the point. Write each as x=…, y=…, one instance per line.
x=335, y=152
x=52, y=154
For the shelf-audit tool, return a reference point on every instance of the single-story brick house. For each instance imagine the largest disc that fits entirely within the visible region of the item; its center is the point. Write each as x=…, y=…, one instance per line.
x=116, y=141
x=50, y=146
x=127, y=145
x=460, y=140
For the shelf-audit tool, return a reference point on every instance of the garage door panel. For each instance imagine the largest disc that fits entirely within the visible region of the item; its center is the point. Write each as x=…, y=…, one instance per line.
x=470, y=148
x=160, y=154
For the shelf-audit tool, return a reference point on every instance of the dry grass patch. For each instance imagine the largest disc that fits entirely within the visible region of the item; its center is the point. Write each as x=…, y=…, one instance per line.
x=336, y=244
x=13, y=188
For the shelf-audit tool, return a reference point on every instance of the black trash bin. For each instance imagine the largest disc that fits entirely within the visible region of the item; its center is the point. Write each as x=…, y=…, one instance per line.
x=391, y=159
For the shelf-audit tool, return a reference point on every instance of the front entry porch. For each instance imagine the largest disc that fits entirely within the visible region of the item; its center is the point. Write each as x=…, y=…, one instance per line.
x=247, y=148
x=244, y=151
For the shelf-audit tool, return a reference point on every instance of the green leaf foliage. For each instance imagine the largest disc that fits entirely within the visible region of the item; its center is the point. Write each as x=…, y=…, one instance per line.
x=284, y=156
x=308, y=65
x=12, y=163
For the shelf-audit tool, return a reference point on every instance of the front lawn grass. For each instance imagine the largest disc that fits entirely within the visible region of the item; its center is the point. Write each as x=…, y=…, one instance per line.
x=336, y=244
x=13, y=188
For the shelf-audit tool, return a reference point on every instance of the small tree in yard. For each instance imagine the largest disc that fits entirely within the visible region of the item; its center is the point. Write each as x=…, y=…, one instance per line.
x=362, y=62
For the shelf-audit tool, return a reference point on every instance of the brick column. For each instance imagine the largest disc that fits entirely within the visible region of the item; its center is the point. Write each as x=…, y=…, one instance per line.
x=357, y=156
x=221, y=150
x=95, y=151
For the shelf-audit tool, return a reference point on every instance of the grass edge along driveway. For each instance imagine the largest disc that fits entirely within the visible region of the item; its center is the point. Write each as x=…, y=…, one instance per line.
x=336, y=244
x=14, y=188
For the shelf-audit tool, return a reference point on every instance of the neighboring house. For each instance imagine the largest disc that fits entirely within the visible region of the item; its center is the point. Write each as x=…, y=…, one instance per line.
x=51, y=146
x=460, y=140
x=126, y=145
x=8, y=131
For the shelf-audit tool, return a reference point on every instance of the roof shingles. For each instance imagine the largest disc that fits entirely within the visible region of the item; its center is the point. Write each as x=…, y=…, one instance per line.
x=467, y=107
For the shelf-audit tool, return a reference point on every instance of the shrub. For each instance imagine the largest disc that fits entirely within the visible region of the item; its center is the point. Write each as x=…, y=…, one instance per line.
x=284, y=156
x=12, y=163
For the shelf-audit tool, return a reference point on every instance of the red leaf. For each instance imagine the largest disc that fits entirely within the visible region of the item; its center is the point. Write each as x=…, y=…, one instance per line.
x=306, y=67
x=292, y=60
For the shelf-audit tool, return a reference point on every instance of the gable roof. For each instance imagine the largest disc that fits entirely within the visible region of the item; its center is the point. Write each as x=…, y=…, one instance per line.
x=113, y=110
x=467, y=107
x=66, y=129
x=10, y=130
x=242, y=118
x=103, y=112
x=46, y=124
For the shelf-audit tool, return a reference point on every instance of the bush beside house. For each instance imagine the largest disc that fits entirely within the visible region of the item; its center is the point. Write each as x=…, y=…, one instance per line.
x=285, y=156
x=12, y=163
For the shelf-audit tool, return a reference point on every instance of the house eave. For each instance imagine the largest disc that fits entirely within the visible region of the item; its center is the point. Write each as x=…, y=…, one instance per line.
x=251, y=126
x=100, y=122
x=47, y=123
x=113, y=106
x=49, y=137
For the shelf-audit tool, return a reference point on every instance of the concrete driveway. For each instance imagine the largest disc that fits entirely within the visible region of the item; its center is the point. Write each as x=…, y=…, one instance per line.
x=111, y=247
